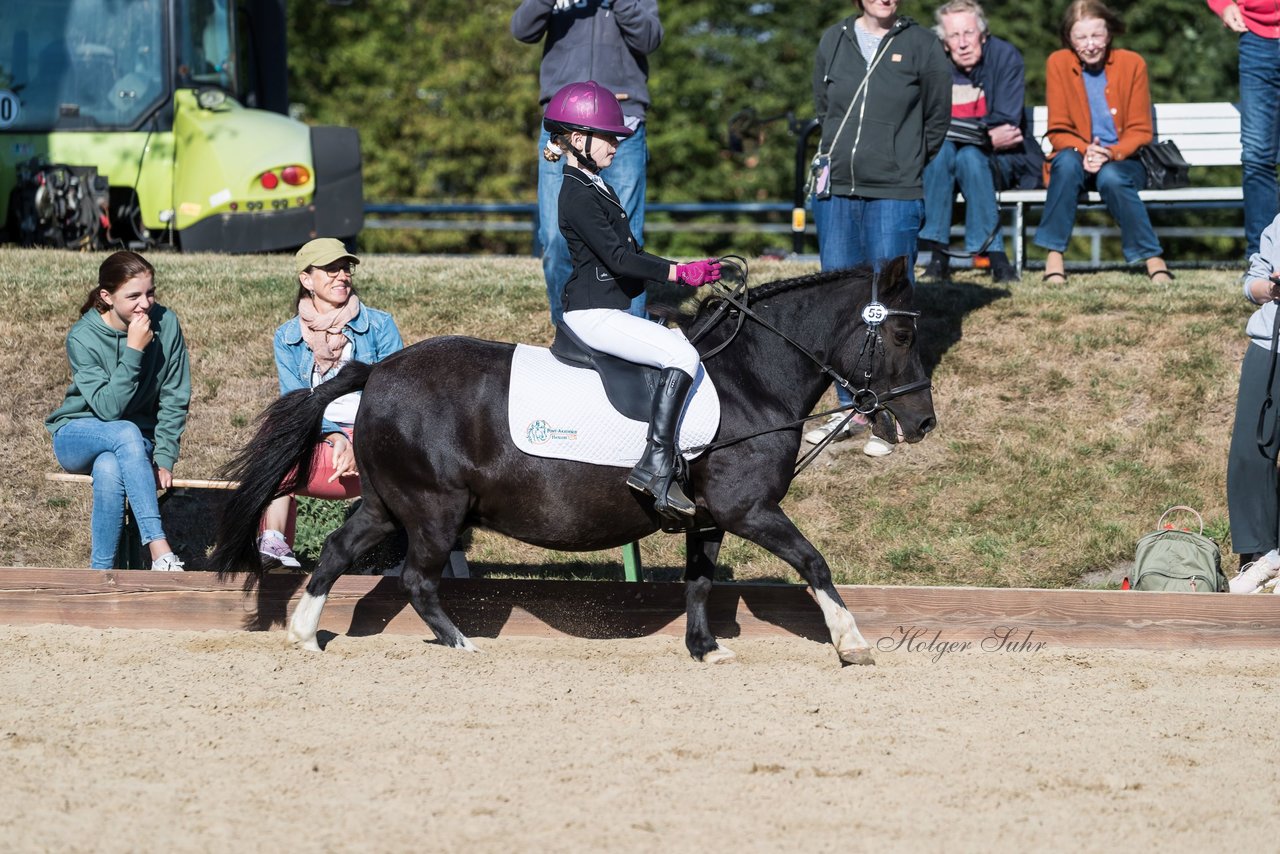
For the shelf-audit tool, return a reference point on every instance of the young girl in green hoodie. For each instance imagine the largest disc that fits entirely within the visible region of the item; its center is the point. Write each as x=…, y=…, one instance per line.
x=126, y=406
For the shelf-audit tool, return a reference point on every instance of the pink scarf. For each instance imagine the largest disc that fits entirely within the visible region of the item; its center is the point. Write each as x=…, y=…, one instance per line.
x=323, y=332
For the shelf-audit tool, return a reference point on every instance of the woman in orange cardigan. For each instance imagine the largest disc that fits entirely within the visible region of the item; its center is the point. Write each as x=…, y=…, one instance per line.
x=1099, y=116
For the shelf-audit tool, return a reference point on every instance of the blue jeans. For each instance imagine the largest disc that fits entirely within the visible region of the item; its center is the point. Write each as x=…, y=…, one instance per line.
x=969, y=167
x=853, y=230
x=1118, y=182
x=627, y=177
x=119, y=458
x=1259, y=133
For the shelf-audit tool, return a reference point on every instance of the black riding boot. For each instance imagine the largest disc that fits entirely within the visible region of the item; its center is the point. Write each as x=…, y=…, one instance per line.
x=655, y=473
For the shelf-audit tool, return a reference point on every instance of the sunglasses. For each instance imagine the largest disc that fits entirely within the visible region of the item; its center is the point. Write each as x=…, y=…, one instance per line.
x=337, y=267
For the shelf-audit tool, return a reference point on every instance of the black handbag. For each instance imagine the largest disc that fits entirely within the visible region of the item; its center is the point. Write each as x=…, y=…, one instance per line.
x=1166, y=168
x=969, y=132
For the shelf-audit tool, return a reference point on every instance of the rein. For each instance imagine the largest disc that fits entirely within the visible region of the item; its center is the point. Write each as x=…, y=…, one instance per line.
x=865, y=401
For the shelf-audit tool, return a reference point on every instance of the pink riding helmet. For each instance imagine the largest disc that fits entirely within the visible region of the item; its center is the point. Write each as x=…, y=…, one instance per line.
x=587, y=107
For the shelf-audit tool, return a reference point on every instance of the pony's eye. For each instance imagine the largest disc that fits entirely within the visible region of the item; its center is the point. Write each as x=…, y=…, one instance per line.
x=902, y=337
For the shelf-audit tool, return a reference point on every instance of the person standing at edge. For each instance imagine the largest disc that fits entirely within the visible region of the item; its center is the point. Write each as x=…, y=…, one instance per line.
x=882, y=90
x=1258, y=23
x=1253, y=484
x=608, y=41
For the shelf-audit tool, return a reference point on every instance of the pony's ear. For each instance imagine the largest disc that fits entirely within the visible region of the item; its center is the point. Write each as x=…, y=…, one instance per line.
x=892, y=278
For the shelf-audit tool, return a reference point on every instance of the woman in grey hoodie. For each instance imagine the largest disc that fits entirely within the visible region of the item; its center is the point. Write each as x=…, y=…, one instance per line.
x=882, y=88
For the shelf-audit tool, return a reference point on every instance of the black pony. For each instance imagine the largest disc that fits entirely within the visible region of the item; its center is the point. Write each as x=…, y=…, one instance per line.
x=435, y=456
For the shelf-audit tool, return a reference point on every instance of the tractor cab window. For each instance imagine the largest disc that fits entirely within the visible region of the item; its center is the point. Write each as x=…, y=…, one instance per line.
x=205, y=46
x=82, y=64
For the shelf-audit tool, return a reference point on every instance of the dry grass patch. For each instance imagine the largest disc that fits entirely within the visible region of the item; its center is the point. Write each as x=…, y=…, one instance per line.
x=1069, y=417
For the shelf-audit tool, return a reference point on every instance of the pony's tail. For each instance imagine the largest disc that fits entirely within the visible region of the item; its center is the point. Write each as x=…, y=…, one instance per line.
x=288, y=431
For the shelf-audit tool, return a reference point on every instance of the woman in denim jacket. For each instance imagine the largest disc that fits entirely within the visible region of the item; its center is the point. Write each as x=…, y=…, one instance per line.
x=332, y=327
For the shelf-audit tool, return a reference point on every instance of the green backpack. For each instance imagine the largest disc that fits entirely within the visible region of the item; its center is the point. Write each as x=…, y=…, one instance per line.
x=1174, y=559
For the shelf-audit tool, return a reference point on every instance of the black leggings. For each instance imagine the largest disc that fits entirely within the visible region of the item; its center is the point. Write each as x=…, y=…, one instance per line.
x=1253, y=488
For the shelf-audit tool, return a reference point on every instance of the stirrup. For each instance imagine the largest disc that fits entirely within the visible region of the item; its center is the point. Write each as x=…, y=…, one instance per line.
x=667, y=508
x=652, y=484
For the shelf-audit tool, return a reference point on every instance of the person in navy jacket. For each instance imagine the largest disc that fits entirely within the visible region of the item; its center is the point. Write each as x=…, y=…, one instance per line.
x=988, y=87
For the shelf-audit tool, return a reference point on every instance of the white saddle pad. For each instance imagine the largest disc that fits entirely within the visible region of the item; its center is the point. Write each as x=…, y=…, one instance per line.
x=562, y=412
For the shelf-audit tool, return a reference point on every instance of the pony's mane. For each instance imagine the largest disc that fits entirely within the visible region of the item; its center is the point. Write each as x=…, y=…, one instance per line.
x=774, y=288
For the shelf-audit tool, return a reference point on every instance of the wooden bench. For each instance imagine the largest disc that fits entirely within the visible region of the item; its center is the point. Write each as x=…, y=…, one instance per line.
x=1207, y=134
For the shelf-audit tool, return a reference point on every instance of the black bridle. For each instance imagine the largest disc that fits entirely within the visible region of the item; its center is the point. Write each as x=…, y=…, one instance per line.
x=866, y=402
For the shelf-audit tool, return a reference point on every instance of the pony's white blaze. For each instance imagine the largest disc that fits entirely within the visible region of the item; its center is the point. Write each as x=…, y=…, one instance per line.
x=849, y=642
x=306, y=619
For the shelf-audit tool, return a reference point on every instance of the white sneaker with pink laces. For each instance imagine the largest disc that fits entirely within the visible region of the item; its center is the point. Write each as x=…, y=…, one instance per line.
x=275, y=551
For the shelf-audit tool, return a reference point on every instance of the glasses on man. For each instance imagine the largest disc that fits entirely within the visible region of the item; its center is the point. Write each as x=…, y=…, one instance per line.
x=963, y=37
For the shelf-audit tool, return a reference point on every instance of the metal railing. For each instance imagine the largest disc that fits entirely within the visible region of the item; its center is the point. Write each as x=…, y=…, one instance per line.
x=523, y=216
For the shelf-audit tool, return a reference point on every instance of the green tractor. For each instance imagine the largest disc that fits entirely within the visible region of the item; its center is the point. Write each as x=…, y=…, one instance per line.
x=143, y=123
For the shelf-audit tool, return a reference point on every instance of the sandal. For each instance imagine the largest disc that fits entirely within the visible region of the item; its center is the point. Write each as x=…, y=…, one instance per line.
x=1165, y=272
x=1055, y=276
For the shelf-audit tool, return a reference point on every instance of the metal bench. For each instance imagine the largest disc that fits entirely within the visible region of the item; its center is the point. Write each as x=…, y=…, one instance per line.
x=130, y=554
x=1207, y=134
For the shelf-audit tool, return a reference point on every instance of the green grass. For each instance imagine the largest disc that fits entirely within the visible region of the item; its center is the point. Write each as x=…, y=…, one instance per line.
x=1069, y=417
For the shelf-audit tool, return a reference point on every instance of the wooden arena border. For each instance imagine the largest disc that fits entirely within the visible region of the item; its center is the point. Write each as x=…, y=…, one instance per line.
x=902, y=617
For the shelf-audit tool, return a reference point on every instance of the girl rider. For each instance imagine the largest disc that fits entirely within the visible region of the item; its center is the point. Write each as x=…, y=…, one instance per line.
x=609, y=270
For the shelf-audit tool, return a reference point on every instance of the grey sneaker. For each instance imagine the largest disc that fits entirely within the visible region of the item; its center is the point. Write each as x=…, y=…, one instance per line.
x=275, y=551
x=1254, y=576
x=168, y=563
x=831, y=425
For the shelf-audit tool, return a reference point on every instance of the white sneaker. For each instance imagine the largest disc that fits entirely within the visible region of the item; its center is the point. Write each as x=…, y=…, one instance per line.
x=1254, y=575
x=168, y=562
x=275, y=551
x=832, y=424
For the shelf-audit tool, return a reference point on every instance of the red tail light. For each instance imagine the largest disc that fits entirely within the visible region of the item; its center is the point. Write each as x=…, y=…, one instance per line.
x=295, y=176
x=269, y=181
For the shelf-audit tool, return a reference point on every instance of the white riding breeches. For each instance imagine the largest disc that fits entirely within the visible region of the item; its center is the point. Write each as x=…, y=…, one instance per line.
x=635, y=339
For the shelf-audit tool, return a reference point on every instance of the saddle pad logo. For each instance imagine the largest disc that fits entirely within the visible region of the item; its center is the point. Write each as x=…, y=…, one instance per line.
x=540, y=432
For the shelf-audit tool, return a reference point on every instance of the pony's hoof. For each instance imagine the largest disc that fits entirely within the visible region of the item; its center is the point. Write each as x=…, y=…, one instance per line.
x=310, y=644
x=857, y=656
x=720, y=655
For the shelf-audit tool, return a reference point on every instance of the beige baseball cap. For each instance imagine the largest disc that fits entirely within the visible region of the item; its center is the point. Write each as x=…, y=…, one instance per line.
x=321, y=251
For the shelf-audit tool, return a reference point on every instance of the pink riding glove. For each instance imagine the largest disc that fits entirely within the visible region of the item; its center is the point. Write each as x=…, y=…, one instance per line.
x=698, y=273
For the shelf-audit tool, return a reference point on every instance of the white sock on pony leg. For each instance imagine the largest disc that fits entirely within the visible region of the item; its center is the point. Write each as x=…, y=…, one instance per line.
x=850, y=645
x=305, y=622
